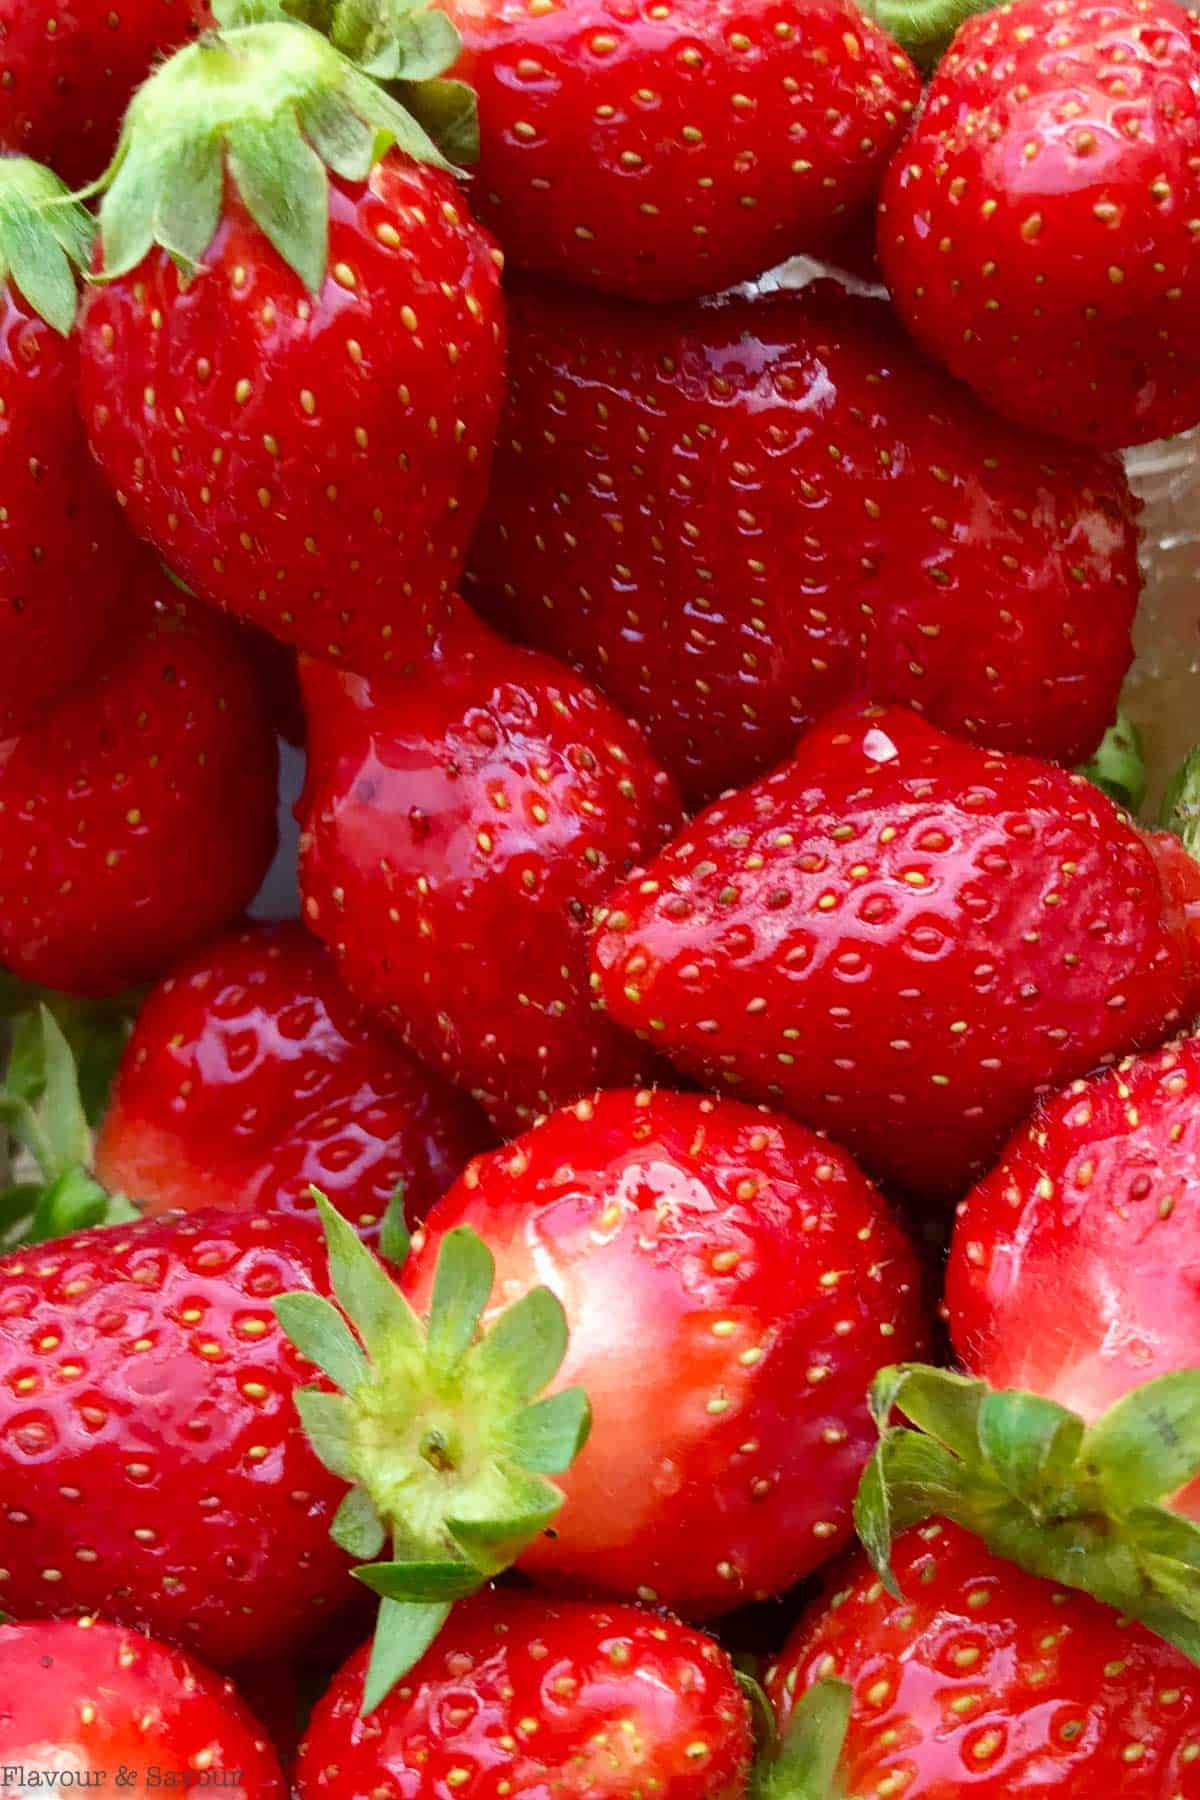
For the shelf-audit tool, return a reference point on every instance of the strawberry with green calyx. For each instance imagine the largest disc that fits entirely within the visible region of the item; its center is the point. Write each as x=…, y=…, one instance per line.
x=64, y=551
x=1084, y=1504
x=439, y=1431
x=292, y=355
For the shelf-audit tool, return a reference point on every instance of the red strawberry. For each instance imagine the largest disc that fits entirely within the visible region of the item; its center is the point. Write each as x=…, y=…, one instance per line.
x=524, y=1696
x=66, y=74
x=662, y=153
x=65, y=556
x=1039, y=229
x=1072, y=1270
x=251, y=1075
x=86, y=1704
x=458, y=828
x=300, y=423
x=733, y=516
x=905, y=940
x=139, y=816
x=730, y=1283
x=981, y=1680
x=150, y=1453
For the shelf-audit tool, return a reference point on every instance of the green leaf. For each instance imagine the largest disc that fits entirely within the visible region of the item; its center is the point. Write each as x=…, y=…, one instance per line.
x=524, y=1350
x=328, y=1421
x=67, y=1135
x=462, y=1286
x=1147, y=1445
x=546, y=1438
x=1154, y=1531
x=1118, y=768
x=421, y=1581
x=403, y=1633
x=357, y=1528
x=909, y=1478
x=1032, y=1443
x=345, y=143
x=940, y=1402
x=395, y=1239
x=42, y=271
x=494, y=1544
x=188, y=203
x=806, y=1765
x=421, y=45
x=74, y=1202
x=127, y=217
x=283, y=183
x=925, y=28
x=873, y=1519
x=380, y=109
x=45, y=237
x=318, y=1331
x=18, y=1202
x=230, y=14
x=1181, y=803
x=449, y=112
x=366, y=1292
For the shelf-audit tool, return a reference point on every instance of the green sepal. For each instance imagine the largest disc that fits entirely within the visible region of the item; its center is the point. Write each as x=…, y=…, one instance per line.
x=925, y=28
x=270, y=104
x=75, y=1202
x=1081, y=1505
x=1118, y=768
x=803, y=1763
x=449, y=112
x=395, y=1239
x=45, y=239
x=442, y=1431
x=1181, y=803
x=403, y=1633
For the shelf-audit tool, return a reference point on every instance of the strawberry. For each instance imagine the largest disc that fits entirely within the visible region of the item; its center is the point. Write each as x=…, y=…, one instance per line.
x=66, y=75
x=667, y=153
x=149, y=1451
x=905, y=940
x=291, y=378
x=65, y=555
x=525, y=1696
x=1038, y=230
x=733, y=516
x=250, y=1075
x=458, y=827
x=719, y=1286
x=139, y=815
x=985, y=1681
x=84, y=1704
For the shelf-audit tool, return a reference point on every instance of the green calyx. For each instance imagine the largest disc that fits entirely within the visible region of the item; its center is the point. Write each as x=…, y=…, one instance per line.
x=271, y=105
x=1074, y=1503
x=1118, y=768
x=60, y=1062
x=45, y=239
x=439, y=1428
x=800, y=1763
x=1181, y=804
x=925, y=28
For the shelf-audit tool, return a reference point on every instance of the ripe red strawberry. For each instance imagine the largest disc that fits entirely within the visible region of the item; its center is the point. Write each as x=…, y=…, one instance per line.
x=150, y=1455
x=65, y=556
x=1072, y=1269
x=524, y=1696
x=458, y=828
x=300, y=423
x=66, y=76
x=985, y=1681
x=250, y=1075
x=733, y=516
x=663, y=153
x=905, y=940
x=87, y=1704
x=730, y=1284
x=138, y=817
x=1039, y=229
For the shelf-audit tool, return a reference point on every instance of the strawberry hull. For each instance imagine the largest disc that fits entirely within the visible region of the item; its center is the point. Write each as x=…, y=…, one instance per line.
x=732, y=516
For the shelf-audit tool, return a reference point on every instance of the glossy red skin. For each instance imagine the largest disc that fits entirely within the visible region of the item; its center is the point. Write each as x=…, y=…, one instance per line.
x=66, y=558
x=662, y=155
x=1068, y=303
x=1072, y=1267
x=139, y=816
x=354, y=467
x=251, y=1075
x=522, y=1696
x=67, y=73
x=146, y=1388
x=903, y=940
x=82, y=1697
x=476, y=951
x=975, y=1682
x=734, y=516
x=732, y=1283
